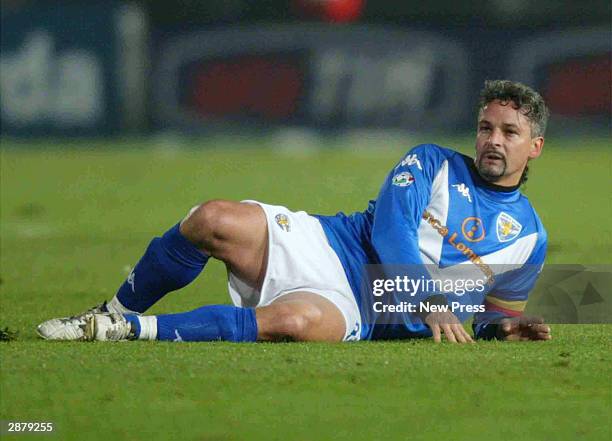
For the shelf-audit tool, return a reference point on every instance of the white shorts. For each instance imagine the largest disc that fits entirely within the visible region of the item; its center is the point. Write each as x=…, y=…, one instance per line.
x=299, y=259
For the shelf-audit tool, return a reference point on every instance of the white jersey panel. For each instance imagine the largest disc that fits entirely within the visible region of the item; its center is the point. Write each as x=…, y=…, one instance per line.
x=430, y=241
x=513, y=256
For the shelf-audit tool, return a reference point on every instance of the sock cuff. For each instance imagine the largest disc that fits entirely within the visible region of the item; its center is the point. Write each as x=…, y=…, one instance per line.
x=248, y=325
x=183, y=248
x=116, y=306
x=148, y=327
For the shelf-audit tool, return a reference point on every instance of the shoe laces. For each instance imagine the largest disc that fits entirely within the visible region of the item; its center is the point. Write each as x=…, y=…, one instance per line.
x=101, y=308
x=80, y=318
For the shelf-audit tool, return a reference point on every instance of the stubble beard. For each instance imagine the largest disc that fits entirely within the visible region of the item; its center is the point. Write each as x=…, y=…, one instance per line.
x=491, y=173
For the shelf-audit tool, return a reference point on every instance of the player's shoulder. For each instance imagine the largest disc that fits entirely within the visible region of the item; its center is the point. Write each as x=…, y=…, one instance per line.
x=528, y=207
x=428, y=157
x=434, y=151
x=536, y=221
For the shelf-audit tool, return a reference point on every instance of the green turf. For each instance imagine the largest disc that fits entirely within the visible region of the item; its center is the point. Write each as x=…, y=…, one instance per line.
x=74, y=220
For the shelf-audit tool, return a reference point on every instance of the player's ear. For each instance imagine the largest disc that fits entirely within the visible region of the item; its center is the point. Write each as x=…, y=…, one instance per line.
x=537, y=144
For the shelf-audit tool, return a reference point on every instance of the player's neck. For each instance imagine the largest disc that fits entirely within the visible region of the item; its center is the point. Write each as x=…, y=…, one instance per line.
x=510, y=181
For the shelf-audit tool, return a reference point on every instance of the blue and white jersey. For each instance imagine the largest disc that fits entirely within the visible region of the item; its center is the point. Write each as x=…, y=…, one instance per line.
x=435, y=209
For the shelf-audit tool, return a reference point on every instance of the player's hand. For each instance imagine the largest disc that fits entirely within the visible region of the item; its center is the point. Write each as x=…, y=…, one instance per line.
x=523, y=329
x=449, y=324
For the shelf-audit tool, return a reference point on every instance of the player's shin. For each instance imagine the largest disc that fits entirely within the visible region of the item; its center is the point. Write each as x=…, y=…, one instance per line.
x=208, y=323
x=169, y=263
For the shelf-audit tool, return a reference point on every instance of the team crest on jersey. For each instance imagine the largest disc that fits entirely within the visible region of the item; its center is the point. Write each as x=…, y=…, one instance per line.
x=507, y=227
x=283, y=222
x=403, y=179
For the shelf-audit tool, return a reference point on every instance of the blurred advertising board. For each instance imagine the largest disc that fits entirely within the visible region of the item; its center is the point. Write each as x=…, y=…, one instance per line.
x=76, y=68
x=572, y=69
x=72, y=69
x=328, y=78
x=332, y=77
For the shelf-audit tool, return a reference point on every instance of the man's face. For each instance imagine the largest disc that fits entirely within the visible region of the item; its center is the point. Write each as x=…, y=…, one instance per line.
x=504, y=144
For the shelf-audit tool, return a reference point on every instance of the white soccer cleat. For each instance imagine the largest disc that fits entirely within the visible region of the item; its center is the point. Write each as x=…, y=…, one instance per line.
x=107, y=327
x=68, y=328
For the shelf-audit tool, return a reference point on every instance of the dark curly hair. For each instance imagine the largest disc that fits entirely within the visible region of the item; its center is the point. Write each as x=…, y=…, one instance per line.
x=529, y=102
x=523, y=98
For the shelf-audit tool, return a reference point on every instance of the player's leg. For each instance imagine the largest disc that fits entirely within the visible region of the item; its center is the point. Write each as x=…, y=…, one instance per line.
x=233, y=232
x=237, y=234
x=298, y=316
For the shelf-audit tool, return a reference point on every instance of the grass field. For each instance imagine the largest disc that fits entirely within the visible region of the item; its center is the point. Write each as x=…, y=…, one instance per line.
x=74, y=219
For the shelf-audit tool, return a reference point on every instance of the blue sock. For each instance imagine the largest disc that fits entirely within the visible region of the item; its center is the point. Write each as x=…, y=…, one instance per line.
x=209, y=323
x=169, y=263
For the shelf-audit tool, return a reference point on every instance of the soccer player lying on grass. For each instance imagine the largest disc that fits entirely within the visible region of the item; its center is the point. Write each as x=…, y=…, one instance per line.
x=293, y=276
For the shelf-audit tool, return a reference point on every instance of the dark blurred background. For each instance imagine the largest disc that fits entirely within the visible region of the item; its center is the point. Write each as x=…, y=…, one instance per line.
x=327, y=66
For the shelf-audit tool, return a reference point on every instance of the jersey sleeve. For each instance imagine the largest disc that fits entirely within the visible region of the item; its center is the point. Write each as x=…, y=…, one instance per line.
x=400, y=204
x=399, y=208
x=508, y=298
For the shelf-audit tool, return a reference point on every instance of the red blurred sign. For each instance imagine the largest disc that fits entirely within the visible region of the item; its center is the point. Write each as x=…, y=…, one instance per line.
x=333, y=11
x=580, y=86
x=266, y=87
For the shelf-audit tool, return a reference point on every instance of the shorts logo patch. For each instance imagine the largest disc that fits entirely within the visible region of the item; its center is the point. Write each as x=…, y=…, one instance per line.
x=507, y=227
x=283, y=222
x=354, y=335
x=403, y=179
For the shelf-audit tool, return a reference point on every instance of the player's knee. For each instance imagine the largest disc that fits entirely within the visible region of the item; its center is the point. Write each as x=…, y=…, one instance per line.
x=205, y=224
x=297, y=323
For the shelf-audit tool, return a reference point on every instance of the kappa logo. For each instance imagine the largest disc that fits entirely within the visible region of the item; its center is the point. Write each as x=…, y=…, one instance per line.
x=130, y=280
x=178, y=336
x=403, y=179
x=464, y=190
x=283, y=222
x=411, y=160
x=507, y=227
